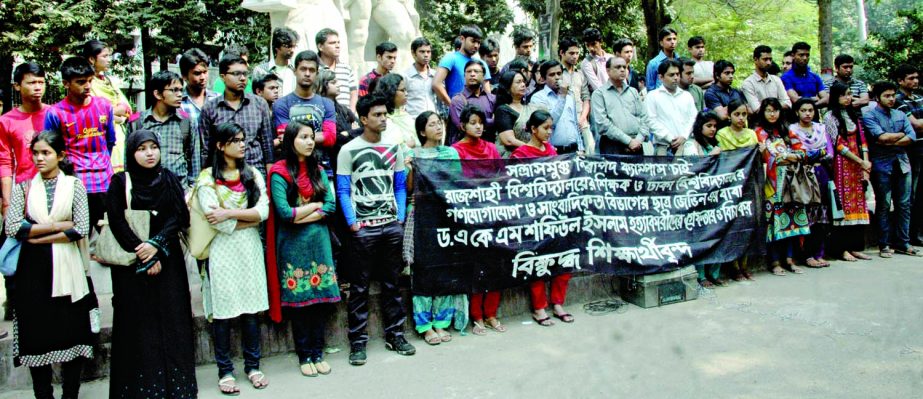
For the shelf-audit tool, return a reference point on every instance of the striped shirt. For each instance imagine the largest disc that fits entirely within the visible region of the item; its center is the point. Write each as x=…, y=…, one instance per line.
x=856, y=86
x=198, y=143
x=253, y=115
x=89, y=136
x=346, y=81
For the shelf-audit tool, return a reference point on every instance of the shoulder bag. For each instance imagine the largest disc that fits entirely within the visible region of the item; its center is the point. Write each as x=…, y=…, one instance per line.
x=108, y=251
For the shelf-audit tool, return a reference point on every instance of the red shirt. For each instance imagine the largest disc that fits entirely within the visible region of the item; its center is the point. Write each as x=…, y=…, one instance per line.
x=528, y=151
x=17, y=129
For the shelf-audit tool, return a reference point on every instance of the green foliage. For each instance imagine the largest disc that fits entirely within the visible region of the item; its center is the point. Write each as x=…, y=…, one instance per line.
x=900, y=42
x=733, y=28
x=440, y=20
x=43, y=30
x=615, y=19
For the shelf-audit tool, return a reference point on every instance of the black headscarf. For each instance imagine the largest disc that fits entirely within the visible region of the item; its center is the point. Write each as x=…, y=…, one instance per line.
x=156, y=186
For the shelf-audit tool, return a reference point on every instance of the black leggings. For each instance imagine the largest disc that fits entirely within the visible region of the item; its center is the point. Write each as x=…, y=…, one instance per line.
x=70, y=376
x=847, y=238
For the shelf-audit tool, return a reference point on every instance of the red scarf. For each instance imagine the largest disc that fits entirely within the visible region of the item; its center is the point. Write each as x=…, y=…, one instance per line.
x=305, y=190
x=528, y=151
x=481, y=149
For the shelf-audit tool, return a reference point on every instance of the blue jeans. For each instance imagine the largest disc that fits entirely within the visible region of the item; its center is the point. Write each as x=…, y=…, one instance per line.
x=894, y=226
x=309, y=324
x=250, y=344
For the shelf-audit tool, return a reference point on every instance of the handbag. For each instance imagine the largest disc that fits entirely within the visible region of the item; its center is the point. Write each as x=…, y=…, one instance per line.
x=201, y=232
x=801, y=186
x=108, y=251
x=9, y=252
x=836, y=207
x=9, y=256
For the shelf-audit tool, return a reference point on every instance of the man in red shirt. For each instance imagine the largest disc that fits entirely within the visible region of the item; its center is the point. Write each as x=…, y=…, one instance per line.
x=17, y=128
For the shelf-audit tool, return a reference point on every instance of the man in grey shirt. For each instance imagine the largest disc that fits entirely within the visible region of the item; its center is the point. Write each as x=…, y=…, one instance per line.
x=620, y=116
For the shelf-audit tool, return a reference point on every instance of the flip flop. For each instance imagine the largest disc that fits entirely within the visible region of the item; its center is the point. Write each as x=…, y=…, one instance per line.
x=258, y=379
x=813, y=263
x=228, y=386
x=478, y=328
x=778, y=270
x=432, y=339
x=910, y=251
x=885, y=253
x=545, y=322
x=498, y=327
x=444, y=336
x=566, y=317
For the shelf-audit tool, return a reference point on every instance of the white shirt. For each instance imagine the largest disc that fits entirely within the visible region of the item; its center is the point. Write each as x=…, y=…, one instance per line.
x=420, y=96
x=703, y=70
x=670, y=115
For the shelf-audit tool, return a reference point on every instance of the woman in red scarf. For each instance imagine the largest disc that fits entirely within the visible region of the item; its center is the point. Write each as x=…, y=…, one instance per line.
x=299, y=261
x=540, y=124
x=473, y=147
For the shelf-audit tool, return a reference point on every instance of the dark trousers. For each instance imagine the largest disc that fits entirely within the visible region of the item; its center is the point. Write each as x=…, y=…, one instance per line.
x=847, y=238
x=893, y=226
x=567, y=149
x=780, y=250
x=70, y=376
x=916, y=194
x=97, y=204
x=814, y=242
x=250, y=344
x=376, y=253
x=309, y=324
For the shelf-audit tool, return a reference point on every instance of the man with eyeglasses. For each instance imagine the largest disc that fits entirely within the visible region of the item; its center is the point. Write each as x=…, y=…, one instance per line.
x=171, y=124
x=248, y=110
x=620, y=115
x=284, y=41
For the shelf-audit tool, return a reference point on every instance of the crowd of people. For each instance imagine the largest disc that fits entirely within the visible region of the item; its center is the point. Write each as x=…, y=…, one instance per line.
x=300, y=170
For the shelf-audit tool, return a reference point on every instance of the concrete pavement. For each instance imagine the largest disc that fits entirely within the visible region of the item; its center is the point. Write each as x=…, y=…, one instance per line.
x=849, y=331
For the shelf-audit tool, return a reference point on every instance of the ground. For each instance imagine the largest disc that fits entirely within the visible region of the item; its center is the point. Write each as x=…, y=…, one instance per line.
x=849, y=331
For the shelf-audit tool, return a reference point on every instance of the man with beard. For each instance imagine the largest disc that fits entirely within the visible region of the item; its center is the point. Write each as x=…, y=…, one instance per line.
x=450, y=76
x=304, y=104
x=800, y=81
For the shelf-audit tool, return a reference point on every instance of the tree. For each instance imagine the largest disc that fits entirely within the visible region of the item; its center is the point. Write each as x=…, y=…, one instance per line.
x=903, y=43
x=614, y=19
x=732, y=30
x=441, y=20
x=825, y=33
x=655, y=18
x=43, y=31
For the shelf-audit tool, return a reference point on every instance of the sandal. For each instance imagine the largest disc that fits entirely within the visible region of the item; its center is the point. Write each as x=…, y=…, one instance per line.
x=566, y=317
x=910, y=251
x=777, y=269
x=861, y=256
x=258, y=379
x=478, y=328
x=813, y=263
x=848, y=257
x=885, y=253
x=431, y=337
x=494, y=324
x=545, y=322
x=228, y=386
x=444, y=335
x=706, y=284
x=308, y=370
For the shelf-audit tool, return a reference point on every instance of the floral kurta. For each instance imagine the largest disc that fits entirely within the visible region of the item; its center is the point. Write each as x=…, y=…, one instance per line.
x=303, y=251
x=236, y=280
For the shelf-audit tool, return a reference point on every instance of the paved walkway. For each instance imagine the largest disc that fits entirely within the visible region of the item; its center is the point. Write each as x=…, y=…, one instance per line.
x=854, y=330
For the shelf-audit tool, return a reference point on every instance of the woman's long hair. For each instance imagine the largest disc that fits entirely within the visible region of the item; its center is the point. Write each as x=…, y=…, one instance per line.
x=837, y=90
x=700, y=120
x=55, y=140
x=222, y=135
x=537, y=119
x=292, y=164
x=775, y=130
x=506, y=83
x=386, y=87
x=420, y=124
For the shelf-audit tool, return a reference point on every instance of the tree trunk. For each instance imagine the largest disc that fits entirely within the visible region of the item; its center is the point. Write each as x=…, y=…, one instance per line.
x=655, y=18
x=863, y=28
x=825, y=33
x=146, y=60
x=6, y=69
x=554, y=9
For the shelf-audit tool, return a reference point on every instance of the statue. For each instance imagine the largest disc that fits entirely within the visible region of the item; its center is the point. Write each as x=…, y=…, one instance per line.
x=375, y=21
x=305, y=17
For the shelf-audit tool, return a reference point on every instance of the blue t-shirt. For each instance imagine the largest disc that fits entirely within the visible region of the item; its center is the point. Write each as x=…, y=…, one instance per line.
x=455, y=64
x=317, y=108
x=807, y=85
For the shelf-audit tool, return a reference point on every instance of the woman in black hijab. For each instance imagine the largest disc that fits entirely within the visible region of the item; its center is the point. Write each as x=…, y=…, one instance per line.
x=152, y=338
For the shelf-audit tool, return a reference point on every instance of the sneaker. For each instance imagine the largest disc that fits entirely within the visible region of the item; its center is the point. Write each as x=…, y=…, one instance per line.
x=357, y=355
x=400, y=345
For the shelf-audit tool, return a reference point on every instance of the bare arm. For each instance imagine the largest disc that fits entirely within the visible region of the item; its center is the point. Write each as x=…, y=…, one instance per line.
x=439, y=86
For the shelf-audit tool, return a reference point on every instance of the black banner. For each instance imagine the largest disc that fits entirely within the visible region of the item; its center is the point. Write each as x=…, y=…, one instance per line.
x=493, y=224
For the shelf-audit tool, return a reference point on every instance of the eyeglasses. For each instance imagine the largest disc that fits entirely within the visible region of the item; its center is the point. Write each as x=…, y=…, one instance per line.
x=238, y=74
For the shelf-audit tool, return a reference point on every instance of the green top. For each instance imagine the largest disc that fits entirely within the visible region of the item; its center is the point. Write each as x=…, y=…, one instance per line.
x=728, y=140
